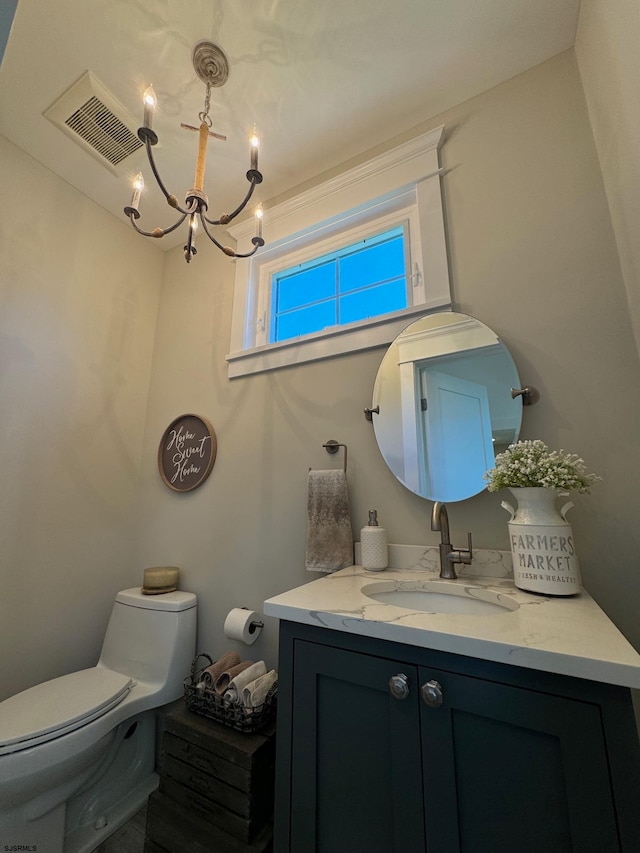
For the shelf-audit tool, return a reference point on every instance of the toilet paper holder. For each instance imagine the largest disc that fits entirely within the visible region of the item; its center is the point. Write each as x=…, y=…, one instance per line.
x=255, y=624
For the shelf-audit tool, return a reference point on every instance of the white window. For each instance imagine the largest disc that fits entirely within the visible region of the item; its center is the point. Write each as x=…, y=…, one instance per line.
x=311, y=293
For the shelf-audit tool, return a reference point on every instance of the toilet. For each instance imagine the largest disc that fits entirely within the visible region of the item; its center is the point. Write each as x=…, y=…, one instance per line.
x=77, y=753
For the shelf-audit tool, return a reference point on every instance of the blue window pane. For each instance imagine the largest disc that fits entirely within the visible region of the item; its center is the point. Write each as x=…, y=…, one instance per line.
x=305, y=320
x=308, y=285
x=372, y=264
x=368, y=278
x=374, y=301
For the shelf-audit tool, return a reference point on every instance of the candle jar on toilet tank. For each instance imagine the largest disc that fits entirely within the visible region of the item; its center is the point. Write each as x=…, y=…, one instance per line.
x=542, y=543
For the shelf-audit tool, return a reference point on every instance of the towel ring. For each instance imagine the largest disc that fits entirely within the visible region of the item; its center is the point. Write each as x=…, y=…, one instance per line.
x=332, y=446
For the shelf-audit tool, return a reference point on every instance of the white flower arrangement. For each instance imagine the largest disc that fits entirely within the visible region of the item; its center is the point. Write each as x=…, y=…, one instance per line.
x=531, y=463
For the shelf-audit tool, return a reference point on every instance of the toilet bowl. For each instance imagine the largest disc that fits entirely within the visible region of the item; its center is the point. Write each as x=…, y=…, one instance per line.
x=77, y=753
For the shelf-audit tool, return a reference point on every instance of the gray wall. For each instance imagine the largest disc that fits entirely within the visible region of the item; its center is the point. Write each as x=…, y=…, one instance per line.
x=607, y=52
x=533, y=256
x=78, y=303
x=607, y=49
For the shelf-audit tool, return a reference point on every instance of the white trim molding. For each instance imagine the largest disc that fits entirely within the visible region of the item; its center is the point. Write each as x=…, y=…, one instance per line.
x=405, y=178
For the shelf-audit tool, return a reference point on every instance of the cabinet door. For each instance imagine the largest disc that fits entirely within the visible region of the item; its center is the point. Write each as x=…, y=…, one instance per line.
x=356, y=782
x=510, y=769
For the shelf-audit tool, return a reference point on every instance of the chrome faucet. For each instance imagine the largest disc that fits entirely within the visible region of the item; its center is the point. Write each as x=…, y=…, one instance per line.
x=448, y=555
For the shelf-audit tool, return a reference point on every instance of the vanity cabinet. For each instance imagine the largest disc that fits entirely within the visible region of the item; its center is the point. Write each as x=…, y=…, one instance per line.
x=491, y=758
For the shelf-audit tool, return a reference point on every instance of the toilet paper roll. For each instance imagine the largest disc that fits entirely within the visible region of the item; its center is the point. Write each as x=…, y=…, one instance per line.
x=243, y=625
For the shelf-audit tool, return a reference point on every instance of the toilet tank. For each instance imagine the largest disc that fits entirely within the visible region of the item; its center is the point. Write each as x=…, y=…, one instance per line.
x=152, y=638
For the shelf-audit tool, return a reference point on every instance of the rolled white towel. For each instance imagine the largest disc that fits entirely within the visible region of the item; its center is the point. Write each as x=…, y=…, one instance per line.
x=225, y=678
x=254, y=694
x=233, y=693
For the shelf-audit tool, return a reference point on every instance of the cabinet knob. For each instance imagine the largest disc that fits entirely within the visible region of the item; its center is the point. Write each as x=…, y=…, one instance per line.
x=432, y=694
x=399, y=686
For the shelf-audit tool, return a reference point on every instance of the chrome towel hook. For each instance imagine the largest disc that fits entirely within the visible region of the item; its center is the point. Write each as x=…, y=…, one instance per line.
x=332, y=446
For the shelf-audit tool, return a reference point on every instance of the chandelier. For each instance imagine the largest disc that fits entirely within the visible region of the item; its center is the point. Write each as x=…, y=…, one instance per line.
x=211, y=65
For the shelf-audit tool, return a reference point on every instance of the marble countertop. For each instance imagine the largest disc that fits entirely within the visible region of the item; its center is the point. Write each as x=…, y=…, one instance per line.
x=568, y=635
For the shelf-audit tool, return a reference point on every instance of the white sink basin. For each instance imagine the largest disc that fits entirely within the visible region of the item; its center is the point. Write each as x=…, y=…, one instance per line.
x=440, y=597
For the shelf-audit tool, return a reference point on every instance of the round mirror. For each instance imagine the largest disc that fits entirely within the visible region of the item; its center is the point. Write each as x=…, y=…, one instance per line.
x=445, y=405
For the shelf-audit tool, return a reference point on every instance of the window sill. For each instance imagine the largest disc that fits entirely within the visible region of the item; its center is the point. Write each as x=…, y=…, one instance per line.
x=339, y=340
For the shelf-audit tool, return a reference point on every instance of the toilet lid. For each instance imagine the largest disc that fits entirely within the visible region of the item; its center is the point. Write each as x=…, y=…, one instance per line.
x=59, y=706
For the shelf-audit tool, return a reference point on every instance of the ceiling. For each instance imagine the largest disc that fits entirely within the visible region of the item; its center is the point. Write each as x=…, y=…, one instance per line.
x=322, y=81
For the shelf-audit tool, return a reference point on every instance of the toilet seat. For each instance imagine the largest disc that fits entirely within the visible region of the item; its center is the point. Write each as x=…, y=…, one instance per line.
x=51, y=709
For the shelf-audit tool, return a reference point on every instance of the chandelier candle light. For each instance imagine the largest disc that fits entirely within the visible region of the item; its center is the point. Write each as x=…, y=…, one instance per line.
x=212, y=67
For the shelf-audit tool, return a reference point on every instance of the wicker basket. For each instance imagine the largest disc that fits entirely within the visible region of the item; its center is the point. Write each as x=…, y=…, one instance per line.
x=208, y=703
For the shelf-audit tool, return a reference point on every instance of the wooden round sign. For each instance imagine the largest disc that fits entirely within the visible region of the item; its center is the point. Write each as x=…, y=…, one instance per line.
x=187, y=453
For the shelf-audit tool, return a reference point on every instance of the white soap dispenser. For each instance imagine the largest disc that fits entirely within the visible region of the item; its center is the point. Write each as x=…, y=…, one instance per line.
x=373, y=545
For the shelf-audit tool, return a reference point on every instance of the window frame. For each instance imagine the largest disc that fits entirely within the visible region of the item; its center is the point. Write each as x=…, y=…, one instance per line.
x=399, y=186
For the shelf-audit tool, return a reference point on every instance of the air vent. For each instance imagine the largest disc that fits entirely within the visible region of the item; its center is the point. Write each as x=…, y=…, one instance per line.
x=103, y=131
x=90, y=115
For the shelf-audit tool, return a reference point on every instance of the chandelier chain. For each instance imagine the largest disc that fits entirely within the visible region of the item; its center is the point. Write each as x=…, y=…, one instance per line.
x=204, y=115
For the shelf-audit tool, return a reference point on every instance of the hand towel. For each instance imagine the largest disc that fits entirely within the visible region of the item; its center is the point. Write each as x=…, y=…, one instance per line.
x=211, y=673
x=329, y=535
x=233, y=693
x=254, y=694
x=226, y=677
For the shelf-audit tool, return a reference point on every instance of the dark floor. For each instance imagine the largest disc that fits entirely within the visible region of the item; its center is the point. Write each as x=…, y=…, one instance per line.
x=129, y=838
